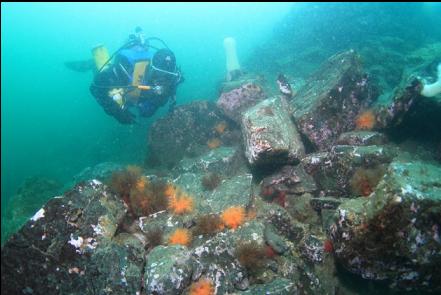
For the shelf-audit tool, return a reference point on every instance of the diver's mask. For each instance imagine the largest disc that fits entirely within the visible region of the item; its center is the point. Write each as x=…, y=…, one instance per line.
x=164, y=62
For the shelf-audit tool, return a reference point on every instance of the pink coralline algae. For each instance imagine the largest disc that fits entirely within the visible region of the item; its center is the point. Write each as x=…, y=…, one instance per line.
x=240, y=99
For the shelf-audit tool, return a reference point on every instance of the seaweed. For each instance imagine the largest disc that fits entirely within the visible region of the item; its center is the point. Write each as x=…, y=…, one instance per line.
x=251, y=255
x=364, y=180
x=154, y=237
x=210, y=181
x=207, y=224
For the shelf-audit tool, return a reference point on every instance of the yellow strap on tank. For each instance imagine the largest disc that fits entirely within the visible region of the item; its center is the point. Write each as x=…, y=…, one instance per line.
x=138, y=77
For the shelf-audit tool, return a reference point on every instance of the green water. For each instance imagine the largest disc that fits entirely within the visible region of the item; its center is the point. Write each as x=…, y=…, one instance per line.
x=52, y=126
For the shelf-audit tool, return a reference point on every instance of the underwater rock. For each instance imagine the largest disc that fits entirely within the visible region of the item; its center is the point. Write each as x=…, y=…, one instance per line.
x=391, y=111
x=216, y=259
x=314, y=276
x=270, y=136
x=361, y=138
x=328, y=104
x=279, y=286
x=223, y=161
x=274, y=240
x=394, y=234
x=163, y=223
x=115, y=266
x=312, y=249
x=321, y=203
x=67, y=246
x=31, y=195
x=299, y=207
x=402, y=108
x=283, y=222
x=232, y=191
x=405, y=114
x=334, y=170
x=188, y=131
x=234, y=188
x=235, y=191
x=238, y=100
x=168, y=270
x=289, y=180
x=245, y=78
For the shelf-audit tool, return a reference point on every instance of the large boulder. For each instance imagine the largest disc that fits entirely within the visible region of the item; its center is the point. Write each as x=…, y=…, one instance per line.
x=348, y=171
x=237, y=100
x=232, y=186
x=67, y=248
x=168, y=270
x=328, y=104
x=215, y=258
x=394, y=234
x=270, y=136
x=189, y=131
x=404, y=102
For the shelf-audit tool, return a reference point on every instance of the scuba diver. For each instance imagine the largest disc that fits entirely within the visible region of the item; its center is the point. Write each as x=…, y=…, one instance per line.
x=136, y=75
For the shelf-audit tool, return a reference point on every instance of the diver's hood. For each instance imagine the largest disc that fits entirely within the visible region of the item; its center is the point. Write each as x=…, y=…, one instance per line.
x=164, y=61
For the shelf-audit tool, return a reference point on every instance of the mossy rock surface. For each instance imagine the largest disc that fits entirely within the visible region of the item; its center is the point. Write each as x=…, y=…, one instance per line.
x=394, y=233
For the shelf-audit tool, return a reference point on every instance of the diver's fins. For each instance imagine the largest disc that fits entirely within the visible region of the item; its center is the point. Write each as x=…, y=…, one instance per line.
x=81, y=65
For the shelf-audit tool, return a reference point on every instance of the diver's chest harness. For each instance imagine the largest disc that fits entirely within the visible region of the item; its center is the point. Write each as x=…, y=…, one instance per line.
x=135, y=63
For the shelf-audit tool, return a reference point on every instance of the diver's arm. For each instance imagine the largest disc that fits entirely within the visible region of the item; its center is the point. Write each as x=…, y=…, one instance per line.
x=100, y=90
x=124, y=116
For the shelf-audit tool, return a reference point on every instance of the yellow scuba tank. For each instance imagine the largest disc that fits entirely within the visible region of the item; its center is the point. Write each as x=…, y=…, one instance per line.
x=100, y=56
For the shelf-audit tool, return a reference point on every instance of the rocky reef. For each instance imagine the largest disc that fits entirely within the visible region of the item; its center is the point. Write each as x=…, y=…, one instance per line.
x=259, y=194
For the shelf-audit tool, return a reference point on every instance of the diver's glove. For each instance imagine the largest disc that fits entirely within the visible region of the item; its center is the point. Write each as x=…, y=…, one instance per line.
x=117, y=95
x=158, y=89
